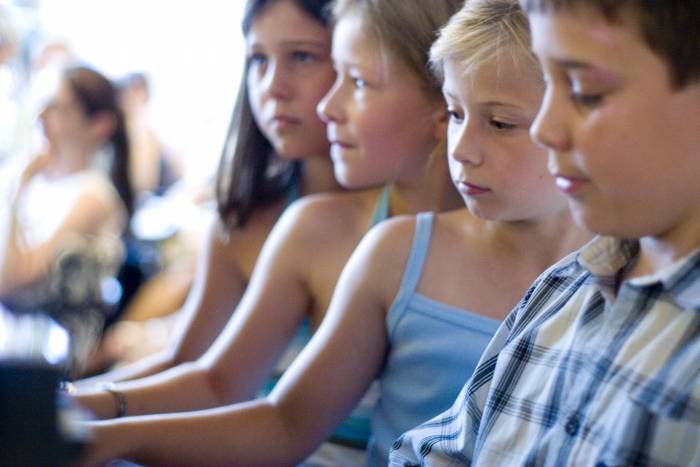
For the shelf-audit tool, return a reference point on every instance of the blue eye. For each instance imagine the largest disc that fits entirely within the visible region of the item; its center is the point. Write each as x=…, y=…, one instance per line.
x=257, y=59
x=304, y=57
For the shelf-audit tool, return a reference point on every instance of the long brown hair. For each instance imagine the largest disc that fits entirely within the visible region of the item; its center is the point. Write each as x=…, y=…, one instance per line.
x=96, y=94
x=250, y=174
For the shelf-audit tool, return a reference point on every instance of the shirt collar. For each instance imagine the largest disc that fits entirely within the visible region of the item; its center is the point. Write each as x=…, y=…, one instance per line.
x=604, y=257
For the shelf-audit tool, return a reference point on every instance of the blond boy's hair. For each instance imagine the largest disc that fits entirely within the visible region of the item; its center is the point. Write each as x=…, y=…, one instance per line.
x=483, y=30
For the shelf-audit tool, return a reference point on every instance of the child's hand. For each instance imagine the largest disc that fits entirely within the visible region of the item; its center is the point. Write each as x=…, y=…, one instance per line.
x=101, y=448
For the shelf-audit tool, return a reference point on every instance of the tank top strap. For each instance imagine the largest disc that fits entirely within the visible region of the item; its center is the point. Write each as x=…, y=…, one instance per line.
x=419, y=252
x=381, y=210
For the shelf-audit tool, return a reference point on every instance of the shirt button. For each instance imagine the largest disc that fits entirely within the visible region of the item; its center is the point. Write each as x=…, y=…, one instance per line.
x=572, y=425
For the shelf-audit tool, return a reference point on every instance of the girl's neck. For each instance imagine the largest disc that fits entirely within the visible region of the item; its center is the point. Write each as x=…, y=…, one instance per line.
x=433, y=191
x=317, y=176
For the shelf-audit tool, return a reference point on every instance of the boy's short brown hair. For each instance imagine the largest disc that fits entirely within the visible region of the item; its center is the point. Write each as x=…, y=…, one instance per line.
x=667, y=27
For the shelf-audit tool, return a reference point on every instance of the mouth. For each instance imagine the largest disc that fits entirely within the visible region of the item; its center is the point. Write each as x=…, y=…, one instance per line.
x=567, y=184
x=284, y=121
x=470, y=189
x=341, y=144
x=338, y=143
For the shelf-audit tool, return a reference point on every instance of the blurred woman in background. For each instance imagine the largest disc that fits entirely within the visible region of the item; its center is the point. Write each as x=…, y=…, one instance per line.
x=72, y=201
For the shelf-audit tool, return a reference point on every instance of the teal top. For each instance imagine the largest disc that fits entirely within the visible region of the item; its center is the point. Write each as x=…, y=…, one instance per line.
x=355, y=430
x=294, y=189
x=381, y=210
x=433, y=350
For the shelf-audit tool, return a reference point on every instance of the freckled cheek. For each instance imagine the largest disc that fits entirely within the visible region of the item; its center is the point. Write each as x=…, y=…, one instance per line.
x=369, y=126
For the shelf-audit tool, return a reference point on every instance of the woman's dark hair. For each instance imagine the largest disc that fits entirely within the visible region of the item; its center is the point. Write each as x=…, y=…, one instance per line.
x=96, y=94
x=250, y=174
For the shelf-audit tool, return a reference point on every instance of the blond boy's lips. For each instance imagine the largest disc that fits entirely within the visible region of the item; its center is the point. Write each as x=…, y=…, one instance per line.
x=471, y=189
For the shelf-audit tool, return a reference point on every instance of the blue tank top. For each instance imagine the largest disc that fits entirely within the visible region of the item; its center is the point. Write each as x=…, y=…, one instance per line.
x=433, y=350
x=354, y=431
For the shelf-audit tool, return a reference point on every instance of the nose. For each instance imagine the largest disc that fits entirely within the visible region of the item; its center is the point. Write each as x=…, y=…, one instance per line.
x=329, y=109
x=278, y=82
x=463, y=143
x=549, y=129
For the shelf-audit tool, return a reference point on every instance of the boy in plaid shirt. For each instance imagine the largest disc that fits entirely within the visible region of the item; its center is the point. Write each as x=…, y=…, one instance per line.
x=600, y=362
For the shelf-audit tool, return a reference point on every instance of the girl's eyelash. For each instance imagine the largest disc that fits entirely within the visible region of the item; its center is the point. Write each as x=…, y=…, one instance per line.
x=256, y=58
x=304, y=56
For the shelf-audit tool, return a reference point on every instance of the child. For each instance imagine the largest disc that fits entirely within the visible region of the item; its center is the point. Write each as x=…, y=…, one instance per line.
x=493, y=90
x=599, y=364
x=383, y=87
x=264, y=167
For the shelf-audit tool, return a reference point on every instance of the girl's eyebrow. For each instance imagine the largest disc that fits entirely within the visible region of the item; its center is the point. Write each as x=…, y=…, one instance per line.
x=293, y=43
x=304, y=43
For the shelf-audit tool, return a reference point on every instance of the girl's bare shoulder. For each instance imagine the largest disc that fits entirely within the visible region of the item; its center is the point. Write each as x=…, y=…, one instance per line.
x=333, y=212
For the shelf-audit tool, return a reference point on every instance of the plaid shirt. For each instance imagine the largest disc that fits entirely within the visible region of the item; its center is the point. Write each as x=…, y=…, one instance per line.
x=581, y=375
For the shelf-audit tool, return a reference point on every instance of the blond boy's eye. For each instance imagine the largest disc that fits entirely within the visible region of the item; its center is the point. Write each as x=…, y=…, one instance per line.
x=501, y=125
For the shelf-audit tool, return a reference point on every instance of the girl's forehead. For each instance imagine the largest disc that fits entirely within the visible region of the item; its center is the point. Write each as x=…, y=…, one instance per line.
x=351, y=32
x=355, y=41
x=285, y=21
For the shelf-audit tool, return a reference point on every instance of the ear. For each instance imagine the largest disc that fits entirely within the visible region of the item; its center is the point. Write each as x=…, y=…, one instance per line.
x=103, y=125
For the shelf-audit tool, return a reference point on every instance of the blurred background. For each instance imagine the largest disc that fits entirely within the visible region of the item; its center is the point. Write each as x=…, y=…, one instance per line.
x=178, y=64
x=190, y=51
